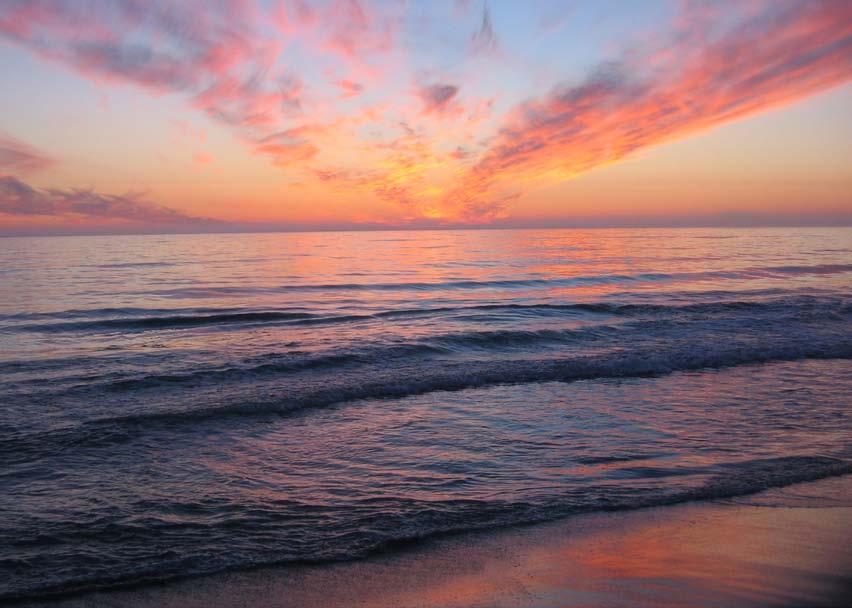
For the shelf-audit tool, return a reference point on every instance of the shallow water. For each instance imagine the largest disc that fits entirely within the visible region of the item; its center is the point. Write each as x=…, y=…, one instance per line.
x=176, y=405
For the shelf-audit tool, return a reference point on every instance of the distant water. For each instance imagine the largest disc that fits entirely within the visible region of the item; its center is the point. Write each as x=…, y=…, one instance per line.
x=175, y=405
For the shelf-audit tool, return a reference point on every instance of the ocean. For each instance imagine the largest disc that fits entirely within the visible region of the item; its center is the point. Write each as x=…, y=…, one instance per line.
x=175, y=405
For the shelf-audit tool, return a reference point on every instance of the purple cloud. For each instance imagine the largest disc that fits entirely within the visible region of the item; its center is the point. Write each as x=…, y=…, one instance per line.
x=485, y=40
x=19, y=198
x=437, y=97
x=19, y=157
x=215, y=54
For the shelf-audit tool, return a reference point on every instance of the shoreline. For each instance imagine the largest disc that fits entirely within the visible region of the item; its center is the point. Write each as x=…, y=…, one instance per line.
x=789, y=546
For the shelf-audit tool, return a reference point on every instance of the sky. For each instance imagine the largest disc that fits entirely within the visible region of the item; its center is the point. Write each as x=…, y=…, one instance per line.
x=198, y=116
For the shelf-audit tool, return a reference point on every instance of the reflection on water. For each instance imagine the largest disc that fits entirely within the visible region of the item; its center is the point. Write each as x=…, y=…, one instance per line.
x=701, y=555
x=187, y=404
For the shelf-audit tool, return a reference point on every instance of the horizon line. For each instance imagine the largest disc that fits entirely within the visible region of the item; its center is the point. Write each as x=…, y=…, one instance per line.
x=845, y=222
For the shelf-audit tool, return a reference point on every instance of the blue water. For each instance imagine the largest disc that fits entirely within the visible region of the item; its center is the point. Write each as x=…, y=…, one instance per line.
x=178, y=405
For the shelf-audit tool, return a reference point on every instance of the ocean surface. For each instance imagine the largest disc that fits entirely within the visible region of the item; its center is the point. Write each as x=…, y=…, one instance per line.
x=180, y=405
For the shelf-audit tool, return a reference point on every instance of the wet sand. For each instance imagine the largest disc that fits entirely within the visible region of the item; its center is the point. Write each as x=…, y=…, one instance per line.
x=784, y=547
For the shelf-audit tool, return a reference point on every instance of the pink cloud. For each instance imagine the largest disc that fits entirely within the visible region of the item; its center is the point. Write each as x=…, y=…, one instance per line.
x=349, y=88
x=429, y=147
x=214, y=54
x=19, y=157
x=355, y=29
x=778, y=54
x=294, y=16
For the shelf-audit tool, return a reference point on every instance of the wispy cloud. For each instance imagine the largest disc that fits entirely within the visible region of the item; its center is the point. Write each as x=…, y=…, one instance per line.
x=19, y=198
x=355, y=29
x=437, y=98
x=703, y=75
x=354, y=122
x=224, y=58
x=216, y=55
x=287, y=147
x=484, y=39
x=350, y=88
x=19, y=157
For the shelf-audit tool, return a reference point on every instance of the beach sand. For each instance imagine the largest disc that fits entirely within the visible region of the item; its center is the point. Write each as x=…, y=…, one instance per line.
x=783, y=547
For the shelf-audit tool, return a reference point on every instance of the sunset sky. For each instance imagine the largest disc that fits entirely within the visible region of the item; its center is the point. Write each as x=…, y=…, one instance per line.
x=139, y=115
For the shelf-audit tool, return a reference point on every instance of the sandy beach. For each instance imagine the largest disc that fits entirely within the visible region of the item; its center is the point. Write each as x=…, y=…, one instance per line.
x=783, y=547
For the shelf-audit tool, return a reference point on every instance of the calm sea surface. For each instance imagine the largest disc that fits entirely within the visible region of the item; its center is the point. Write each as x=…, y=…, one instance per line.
x=176, y=405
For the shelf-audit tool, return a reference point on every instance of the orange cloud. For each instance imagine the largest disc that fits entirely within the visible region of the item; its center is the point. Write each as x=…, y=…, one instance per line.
x=778, y=55
x=203, y=158
x=286, y=148
x=430, y=152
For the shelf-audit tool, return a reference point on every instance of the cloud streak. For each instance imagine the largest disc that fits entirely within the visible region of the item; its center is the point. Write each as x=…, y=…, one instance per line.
x=485, y=40
x=358, y=116
x=225, y=58
x=699, y=79
x=19, y=157
x=216, y=55
x=19, y=198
